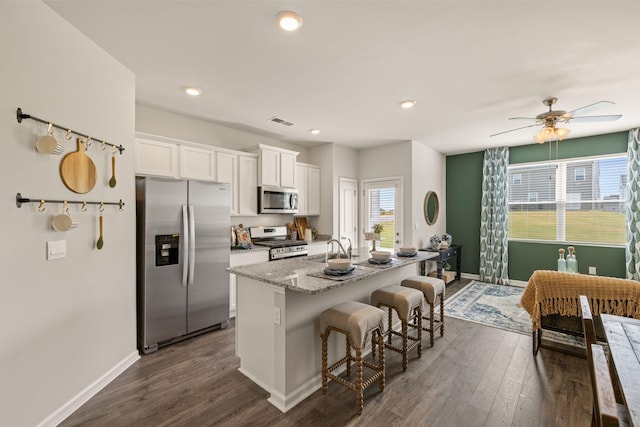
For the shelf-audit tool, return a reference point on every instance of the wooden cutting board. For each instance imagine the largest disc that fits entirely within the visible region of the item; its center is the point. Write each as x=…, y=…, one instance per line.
x=302, y=224
x=78, y=172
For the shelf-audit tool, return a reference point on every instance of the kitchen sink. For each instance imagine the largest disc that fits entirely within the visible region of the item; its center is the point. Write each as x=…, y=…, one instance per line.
x=321, y=257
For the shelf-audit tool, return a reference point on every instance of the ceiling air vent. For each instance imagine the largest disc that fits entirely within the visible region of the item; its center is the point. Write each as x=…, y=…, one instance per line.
x=280, y=121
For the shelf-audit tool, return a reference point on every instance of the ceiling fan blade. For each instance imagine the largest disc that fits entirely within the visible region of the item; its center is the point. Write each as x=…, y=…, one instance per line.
x=590, y=107
x=587, y=119
x=522, y=118
x=511, y=130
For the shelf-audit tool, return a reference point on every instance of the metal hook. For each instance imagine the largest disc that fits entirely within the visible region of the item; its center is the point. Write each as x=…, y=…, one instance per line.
x=68, y=135
x=121, y=205
x=113, y=149
x=84, y=207
x=101, y=208
x=41, y=207
x=102, y=146
x=49, y=129
x=64, y=206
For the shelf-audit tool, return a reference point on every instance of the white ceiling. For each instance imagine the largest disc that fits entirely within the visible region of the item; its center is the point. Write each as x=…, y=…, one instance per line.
x=469, y=65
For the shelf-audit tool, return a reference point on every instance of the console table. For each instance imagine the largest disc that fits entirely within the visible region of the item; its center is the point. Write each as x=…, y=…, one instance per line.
x=443, y=255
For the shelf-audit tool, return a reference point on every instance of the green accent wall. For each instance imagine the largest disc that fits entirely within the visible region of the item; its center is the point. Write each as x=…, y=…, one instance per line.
x=464, y=192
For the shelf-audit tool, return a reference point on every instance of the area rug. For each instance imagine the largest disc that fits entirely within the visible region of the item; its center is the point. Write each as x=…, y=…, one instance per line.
x=498, y=306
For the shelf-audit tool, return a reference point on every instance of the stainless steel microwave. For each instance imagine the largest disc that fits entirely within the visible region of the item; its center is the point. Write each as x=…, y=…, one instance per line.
x=277, y=200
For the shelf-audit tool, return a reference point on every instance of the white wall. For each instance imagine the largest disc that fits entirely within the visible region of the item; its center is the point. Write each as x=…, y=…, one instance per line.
x=428, y=174
x=68, y=322
x=160, y=122
x=393, y=160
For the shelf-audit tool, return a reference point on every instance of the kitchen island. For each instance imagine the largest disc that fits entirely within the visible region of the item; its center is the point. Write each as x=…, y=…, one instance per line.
x=277, y=318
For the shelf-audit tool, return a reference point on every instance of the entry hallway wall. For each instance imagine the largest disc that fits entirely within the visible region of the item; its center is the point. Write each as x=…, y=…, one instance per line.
x=67, y=325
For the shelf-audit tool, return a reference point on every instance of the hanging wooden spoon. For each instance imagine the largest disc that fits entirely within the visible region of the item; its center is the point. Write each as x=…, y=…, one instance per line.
x=100, y=243
x=112, y=181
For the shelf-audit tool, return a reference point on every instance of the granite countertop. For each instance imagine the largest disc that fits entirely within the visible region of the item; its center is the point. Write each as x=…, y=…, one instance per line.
x=293, y=273
x=253, y=248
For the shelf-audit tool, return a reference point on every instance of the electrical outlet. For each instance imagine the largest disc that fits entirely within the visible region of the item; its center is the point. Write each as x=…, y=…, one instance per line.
x=276, y=315
x=592, y=270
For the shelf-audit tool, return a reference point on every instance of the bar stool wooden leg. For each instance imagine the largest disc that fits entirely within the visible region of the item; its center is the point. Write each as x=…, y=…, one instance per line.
x=324, y=362
x=441, y=315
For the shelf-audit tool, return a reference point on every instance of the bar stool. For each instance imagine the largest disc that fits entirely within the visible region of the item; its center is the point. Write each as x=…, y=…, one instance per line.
x=432, y=289
x=355, y=320
x=407, y=303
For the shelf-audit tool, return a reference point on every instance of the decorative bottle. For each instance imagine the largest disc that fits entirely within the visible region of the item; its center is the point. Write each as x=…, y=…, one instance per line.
x=562, y=263
x=572, y=262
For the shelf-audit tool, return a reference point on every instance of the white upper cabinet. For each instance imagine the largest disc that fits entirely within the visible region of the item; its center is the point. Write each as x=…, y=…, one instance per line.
x=227, y=171
x=197, y=163
x=308, y=185
x=156, y=158
x=277, y=166
x=247, y=185
x=288, y=169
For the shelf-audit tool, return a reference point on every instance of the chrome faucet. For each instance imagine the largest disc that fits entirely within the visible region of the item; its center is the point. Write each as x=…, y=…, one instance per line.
x=326, y=255
x=350, y=248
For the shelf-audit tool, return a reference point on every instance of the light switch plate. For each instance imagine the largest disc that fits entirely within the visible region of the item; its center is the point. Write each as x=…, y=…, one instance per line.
x=592, y=270
x=56, y=249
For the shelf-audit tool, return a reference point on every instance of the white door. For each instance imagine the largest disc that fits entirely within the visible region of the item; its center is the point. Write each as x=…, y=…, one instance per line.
x=348, y=206
x=383, y=205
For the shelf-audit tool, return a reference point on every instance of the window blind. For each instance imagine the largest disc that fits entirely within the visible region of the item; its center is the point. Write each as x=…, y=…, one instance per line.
x=576, y=200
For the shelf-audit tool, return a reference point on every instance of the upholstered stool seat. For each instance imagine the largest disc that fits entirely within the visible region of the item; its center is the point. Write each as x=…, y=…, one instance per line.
x=433, y=290
x=407, y=303
x=356, y=321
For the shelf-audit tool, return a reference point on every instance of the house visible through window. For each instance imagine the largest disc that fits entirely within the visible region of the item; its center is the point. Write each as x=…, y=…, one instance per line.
x=516, y=179
x=573, y=200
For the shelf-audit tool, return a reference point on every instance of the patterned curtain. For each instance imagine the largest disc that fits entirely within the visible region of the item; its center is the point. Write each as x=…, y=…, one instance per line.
x=633, y=205
x=494, y=260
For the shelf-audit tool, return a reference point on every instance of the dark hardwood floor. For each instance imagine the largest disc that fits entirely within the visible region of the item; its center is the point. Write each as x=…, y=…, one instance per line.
x=474, y=376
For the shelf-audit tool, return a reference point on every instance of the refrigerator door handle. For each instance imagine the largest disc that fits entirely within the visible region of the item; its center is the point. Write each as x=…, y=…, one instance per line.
x=192, y=244
x=185, y=243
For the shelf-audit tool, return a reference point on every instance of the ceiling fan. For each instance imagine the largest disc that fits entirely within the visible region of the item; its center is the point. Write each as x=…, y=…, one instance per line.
x=550, y=118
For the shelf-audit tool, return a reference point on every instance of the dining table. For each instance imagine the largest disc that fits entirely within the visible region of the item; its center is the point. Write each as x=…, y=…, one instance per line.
x=623, y=337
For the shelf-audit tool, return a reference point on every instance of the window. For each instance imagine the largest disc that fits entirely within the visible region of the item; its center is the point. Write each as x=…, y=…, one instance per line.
x=516, y=179
x=383, y=205
x=574, y=200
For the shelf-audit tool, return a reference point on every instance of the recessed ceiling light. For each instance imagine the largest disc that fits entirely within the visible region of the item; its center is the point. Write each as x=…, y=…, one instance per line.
x=314, y=131
x=409, y=103
x=289, y=20
x=193, y=91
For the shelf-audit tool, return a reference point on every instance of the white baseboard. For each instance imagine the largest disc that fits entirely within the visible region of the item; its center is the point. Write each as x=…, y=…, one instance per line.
x=81, y=398
x=512, y=282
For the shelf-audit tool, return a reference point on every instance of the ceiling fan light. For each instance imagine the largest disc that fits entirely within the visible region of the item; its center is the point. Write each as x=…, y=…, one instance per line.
x=547, y=132
x=562, y=133
x=537, y=138
x=289, y=20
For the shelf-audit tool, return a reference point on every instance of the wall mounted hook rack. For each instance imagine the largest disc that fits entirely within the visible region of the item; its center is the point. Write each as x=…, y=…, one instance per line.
x=20, y=200
x=20, y=116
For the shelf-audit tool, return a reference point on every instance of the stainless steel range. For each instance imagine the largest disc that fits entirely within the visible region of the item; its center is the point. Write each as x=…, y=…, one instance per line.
x=276, y=239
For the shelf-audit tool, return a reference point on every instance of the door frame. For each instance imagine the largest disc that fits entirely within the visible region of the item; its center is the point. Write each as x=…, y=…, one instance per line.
x=341, y=182
x=398, y=182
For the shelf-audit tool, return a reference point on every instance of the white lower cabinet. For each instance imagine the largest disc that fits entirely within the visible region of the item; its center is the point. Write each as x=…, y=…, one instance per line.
x=237, y=259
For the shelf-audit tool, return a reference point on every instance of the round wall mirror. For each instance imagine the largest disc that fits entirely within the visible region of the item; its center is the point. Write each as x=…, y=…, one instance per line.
x=431, y=207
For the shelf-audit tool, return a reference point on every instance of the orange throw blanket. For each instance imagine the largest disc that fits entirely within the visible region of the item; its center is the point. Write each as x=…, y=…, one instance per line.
x=551, y=292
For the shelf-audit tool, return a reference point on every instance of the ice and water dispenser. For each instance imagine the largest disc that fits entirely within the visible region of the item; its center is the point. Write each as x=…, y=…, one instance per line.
x=167, y=249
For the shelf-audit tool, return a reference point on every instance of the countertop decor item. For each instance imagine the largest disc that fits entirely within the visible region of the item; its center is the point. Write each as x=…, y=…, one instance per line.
x=435, y=241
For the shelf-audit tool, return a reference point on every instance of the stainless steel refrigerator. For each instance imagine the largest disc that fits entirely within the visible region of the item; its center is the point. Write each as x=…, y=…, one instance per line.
x=182, y=257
